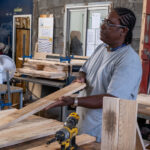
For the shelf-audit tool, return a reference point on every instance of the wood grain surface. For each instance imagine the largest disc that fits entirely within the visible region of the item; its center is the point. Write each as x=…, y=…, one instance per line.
x=81, y=140
x=33, y=127
x=119, y=124
x=40, y=105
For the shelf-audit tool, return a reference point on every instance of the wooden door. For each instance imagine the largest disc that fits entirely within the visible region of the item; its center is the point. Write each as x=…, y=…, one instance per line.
x=22, y=41
x=22, y=45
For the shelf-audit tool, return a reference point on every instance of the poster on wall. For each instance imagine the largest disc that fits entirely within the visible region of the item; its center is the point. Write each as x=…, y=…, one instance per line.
x=93, y=34
x=45, y=34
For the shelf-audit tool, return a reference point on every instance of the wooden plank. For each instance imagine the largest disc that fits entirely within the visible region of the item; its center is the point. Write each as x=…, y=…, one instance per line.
x=40, y=104
x=55, y=62
x=119, y=124
x=46, y=62
x=52, y=66
x=127, y=125
x=22, y=132
x=29, y=131
x=5, y=113
x=139, y=140
x=110, y=124
x=144, y=109
x=143, y=99
x=81, y=140
x=44, y=74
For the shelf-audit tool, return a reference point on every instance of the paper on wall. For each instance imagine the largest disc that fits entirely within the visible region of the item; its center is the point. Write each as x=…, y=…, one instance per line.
x=98, y=41
x=45, y=34
x=96, y=20
x=90, y=49
x=91, y=36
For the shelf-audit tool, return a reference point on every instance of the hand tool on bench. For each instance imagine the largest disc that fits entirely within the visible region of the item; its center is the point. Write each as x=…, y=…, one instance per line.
x=67, y=135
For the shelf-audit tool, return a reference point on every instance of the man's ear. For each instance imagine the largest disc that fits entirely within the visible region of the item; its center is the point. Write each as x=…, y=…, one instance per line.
x=124, y=30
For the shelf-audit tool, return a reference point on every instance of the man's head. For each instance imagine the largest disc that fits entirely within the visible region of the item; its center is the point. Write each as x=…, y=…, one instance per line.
x=117, y=28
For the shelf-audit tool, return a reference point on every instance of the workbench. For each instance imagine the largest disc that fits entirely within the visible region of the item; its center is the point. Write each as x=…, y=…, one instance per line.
x=13, y=89
x=42, y=141
x=33, y=132
x=42, y=81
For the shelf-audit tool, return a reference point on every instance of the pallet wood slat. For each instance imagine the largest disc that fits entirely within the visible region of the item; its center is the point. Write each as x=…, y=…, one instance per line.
x=30, y=131
x=41, y=73
x=32, y=128
x=110, y=124
x=144, y=109
x=143, y=99
x=5, y=113
x=42, y=65
x=81, y=140
x=45, y=62
x=40, y=104
x=56, y=62
x=119, y=124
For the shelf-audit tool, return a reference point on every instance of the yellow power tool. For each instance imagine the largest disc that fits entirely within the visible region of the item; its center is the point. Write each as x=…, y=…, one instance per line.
x=67, y=135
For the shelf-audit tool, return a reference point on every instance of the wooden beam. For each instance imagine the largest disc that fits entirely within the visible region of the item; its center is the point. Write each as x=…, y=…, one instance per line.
x=40, y=104
x=118, y=124
x=81, y=140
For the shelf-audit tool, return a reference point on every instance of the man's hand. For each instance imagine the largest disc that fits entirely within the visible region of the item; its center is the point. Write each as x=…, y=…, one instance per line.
x=62, y=101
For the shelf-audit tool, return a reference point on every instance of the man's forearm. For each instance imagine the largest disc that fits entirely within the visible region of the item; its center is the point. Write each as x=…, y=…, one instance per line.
x=95, y=101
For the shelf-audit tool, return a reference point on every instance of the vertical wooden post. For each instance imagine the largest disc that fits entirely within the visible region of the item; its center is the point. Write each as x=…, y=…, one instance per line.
x=118, y=124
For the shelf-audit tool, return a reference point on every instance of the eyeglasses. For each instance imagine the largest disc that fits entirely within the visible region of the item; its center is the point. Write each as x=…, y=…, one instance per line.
x=109, y=24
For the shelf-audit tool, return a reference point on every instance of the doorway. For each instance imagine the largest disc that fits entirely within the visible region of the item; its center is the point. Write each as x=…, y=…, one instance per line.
x=21, y=37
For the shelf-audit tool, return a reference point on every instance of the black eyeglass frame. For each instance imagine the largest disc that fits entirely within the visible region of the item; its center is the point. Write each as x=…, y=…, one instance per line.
x=106, y=21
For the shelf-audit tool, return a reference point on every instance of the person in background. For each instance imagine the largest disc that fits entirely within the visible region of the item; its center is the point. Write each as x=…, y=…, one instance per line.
x=76, y=44
x=114, y=70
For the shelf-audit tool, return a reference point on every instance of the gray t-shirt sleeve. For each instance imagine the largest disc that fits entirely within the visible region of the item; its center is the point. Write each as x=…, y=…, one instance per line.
x=125, y=81
x=87, y=63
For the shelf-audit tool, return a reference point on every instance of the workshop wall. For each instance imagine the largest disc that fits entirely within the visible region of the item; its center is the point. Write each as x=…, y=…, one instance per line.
x=56, y=7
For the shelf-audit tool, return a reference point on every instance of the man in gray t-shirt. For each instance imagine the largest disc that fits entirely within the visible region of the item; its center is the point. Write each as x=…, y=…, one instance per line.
x=114, y=69
x=117, y=73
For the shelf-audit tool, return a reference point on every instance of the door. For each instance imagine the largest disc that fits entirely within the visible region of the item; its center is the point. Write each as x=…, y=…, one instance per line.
x=21, y=37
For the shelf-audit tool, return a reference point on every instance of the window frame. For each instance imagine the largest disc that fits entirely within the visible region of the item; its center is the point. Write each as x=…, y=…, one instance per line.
x=76, y=7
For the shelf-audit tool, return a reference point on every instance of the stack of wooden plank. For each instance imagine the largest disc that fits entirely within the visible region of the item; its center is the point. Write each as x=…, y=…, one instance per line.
x=51, y=69
x=44, y=68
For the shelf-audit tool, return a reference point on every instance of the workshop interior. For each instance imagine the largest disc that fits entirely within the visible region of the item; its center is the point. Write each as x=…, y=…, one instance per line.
x=44, y=46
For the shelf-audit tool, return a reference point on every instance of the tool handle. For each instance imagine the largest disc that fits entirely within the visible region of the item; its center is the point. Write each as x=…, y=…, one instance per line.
x=51, y=141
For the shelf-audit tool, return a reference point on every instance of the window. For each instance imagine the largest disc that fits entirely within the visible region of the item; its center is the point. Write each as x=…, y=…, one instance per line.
x=82, y=27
